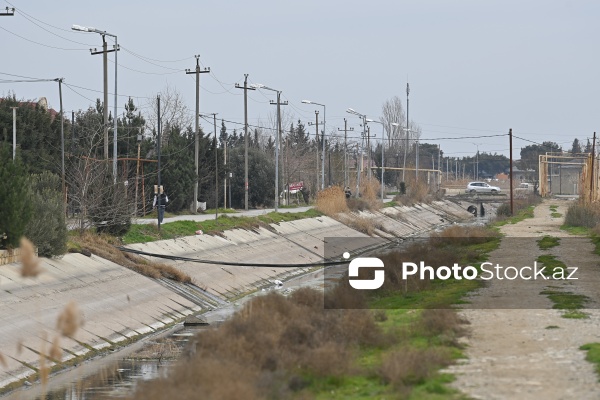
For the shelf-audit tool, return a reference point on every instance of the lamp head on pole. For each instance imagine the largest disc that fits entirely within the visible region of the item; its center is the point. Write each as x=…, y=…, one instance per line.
x=80, y=28
x=307, y=101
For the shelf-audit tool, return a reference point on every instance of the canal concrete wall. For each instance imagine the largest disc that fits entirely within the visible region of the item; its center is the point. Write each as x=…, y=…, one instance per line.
x=118, y=303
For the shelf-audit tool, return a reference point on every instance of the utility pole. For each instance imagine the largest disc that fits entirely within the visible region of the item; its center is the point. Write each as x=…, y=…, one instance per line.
x=246, y=88
x=323, y=152
x=225, y=170
x=277, y=145
x=197, y=72
x=592, y=169
x=510, y=178
x=317, y=143
x=406, y=145
x=14, y=132
x=367, y=138
x=137, y=168
x=216, y=168
x=346, y=183
x=158, y=171
x=62, y=146
x=72, y=132
x=104, y=53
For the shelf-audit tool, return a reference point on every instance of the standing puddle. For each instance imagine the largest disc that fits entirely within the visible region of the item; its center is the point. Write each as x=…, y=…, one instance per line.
x=117, y=375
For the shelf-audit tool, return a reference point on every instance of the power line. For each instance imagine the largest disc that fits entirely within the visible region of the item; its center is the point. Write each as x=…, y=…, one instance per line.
x=41, y=44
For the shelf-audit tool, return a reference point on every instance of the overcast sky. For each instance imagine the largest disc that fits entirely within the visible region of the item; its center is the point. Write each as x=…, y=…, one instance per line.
x=475, y=67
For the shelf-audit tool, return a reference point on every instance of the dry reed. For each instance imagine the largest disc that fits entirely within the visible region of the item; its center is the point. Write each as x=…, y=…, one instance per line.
x=29, y=260
x=332, y=201
x=69, y=320
x=56, y=350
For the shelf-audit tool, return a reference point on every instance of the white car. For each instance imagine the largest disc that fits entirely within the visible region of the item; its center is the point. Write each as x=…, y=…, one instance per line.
x=482, y=187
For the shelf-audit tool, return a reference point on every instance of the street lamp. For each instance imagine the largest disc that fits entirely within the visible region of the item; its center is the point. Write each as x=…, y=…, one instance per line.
x=382, y=151
x=323, y=138
x=277, y=142
x=359, y=169
x=105, y=52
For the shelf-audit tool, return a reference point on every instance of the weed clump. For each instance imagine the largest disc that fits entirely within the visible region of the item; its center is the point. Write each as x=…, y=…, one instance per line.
x=266, y=346
x=332, y=201
x=104, y=246
x=409, y=366
x=585, y=215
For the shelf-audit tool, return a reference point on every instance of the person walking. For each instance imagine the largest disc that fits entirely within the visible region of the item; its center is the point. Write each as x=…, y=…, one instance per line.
x=164, y=199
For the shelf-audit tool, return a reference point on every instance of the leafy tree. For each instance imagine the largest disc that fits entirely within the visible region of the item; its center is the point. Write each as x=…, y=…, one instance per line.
x=47, y=228
x=261, y=176
x=38, y=133
x=576, y=148
x=14, y=198
x=530, y=154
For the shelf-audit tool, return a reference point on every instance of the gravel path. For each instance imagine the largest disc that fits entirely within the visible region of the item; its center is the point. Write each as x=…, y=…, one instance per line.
x=533, y=353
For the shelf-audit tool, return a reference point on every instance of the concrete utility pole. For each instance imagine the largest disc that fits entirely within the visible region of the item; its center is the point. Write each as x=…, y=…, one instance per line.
x=323, y=138
x=216, y=168
x=359, y=169
x=62, y=146
x=225, y=170
x=317, y=143
x=104, y=53
x=510, y=178
x=159, y=128
x=277, y=145
x=346, y=183
x=197, y=72
x=592, y=169
x=246, y=88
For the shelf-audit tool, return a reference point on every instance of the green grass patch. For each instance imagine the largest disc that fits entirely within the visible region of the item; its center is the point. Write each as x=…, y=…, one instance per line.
x=570, y=302
x=421, y=332
x=368, y=384
x=548, y=242
x=576, y=230
x=520, y=216
x=153, y=214
x=553, y=208
x=593, y=354
x=171, y=230
x=553, y=265
x=390, y=204
x=552, y=327
x=556, y=215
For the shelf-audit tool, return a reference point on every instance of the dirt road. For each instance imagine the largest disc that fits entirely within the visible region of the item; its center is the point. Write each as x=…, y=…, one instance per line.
x=519, y=347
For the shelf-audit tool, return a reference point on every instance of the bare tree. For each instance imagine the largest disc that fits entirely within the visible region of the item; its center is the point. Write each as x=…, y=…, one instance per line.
x=93, y=196
x=173, y=112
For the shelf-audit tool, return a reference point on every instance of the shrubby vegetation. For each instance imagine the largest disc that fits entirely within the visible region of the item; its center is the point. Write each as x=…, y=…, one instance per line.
x=47, y=228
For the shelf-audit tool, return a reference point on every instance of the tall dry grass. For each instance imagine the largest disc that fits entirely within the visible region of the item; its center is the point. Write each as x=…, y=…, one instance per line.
x=104, y=246
x=30, y=263
x=264, y=350
x=416, y=192
x=332, y=201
